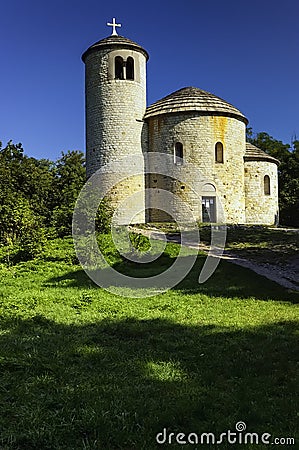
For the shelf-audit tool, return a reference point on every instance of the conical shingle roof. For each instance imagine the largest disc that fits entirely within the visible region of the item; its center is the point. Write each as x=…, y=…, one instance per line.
x=254, y=153
x=115, y=42
x=193, y=99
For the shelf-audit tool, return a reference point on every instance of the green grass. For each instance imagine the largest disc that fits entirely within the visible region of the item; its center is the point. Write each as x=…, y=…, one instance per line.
x=85, y=369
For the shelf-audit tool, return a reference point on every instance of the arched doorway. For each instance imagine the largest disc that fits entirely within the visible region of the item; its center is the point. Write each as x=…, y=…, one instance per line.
x=208, y=202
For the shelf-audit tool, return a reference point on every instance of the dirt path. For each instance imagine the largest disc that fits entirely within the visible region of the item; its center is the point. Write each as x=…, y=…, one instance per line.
x=287, y=275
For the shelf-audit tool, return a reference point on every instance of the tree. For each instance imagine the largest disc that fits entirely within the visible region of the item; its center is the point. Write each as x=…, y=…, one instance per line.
x=26, y=177
x=16, y=214
x=35, y=194
x=69, y=179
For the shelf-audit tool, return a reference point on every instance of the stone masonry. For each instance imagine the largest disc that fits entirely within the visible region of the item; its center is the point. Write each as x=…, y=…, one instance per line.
x=114, y=118
x=118, y=126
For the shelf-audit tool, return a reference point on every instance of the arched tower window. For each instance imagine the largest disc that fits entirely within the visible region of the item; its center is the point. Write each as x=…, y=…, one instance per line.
x=130, y=68
x=219, y=152
x=178, y=153
x=119, y=68
x=267, y=190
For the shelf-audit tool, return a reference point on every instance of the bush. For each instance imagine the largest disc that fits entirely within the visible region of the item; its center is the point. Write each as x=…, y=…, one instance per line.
x=140, y=242
x=32, y=243
x=104, y=217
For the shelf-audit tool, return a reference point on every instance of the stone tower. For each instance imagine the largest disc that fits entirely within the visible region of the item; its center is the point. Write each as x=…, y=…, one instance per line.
x=115, y=96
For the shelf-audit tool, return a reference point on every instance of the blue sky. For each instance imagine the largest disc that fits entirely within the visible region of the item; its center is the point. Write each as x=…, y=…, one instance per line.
x=245, y=52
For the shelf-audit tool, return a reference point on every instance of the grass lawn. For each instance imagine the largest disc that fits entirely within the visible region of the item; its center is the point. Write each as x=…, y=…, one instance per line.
x=85, y=369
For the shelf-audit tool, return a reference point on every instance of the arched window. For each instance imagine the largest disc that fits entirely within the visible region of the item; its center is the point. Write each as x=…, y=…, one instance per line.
x=119, y=68
x=219, y=152
x=267, y=190
x=178, y=153
x=130, y=68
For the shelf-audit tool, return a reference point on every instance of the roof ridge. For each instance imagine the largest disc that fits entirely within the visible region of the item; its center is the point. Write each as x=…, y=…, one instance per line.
x=193, y=99
x=254, y=152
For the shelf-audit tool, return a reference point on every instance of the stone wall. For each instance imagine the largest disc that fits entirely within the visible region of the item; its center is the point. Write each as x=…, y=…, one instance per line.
x=114, y=118
x=261, y=208
x=199, y=134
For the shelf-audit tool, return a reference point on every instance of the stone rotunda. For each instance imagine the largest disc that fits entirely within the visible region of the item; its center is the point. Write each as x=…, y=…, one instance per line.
x=224, y=178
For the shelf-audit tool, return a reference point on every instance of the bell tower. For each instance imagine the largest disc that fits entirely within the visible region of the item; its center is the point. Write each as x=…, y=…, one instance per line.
x=115, y=103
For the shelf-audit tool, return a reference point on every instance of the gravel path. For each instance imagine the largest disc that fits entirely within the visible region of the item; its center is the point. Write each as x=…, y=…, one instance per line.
x=287, y=275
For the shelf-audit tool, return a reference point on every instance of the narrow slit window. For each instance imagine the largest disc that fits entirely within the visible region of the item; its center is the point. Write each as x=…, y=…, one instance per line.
x=267, y=190
x=219, y=152
x=130, y=68
x=178, y=153
x=119, y=68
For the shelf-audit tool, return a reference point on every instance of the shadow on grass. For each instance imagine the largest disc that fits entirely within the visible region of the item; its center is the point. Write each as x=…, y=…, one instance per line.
x=116, y=384
x=254, y=234
x=262, y=244
x=229, y=280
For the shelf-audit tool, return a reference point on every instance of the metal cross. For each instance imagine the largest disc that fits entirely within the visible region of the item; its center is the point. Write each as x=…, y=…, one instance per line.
x=114, y=25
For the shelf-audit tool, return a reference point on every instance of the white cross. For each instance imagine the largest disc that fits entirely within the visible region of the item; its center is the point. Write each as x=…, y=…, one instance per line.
x=114, y=25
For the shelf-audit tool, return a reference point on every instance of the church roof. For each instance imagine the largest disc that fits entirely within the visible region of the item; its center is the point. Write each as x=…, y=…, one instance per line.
x=254, y=153
x=193, y=99
x=115, y=42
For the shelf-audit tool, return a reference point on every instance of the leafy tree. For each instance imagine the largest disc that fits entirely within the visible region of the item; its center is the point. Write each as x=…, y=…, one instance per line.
x=32, y=243
x=35, y=194
x=272, y=146
x=26, y=177
x=16, y=217
x=70, y=175
x=16, y=214
x=69, y=179
x=36, y=181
